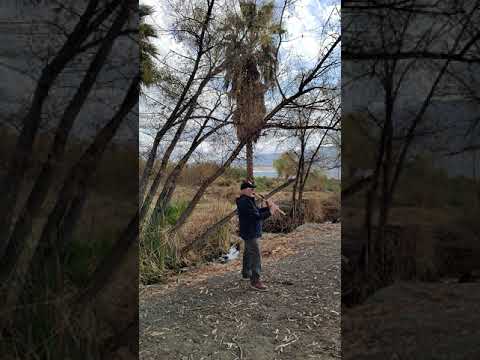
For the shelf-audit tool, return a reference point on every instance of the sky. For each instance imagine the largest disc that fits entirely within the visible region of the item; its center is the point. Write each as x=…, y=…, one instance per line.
x=304, y=40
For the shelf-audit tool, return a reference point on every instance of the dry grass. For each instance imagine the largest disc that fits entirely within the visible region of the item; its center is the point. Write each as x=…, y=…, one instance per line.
x=217, y=202
x=202, y=218
x=314, y=211
x=274, y=247
x=194, y=175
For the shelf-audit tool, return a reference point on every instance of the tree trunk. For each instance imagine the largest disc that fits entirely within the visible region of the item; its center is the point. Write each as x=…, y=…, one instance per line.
x=171, y=181
x=44, y=181
x=148, y=195
x=12, y=182
x=250, y=161
x=73, y=192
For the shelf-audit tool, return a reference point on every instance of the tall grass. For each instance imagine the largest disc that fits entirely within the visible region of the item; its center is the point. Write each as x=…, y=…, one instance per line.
x=158, y=250
x=219, y=242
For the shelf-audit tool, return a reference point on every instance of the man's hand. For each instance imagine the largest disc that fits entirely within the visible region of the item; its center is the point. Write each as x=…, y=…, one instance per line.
x=273, y=207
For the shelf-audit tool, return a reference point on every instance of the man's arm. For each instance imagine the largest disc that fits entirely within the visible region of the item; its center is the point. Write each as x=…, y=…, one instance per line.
x=248, y=209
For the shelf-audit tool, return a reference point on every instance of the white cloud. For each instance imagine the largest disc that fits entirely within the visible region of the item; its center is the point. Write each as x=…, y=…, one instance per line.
x=162, y=21
x=304, y=23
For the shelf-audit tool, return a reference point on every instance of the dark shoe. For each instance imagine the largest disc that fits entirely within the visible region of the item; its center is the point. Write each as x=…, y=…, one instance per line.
x=258, y=285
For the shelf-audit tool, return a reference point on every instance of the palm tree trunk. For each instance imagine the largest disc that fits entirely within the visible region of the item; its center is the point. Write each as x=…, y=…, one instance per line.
x=250, y=160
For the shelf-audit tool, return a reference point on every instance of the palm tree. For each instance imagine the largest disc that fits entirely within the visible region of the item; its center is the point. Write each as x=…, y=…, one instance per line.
x=250, y=62
x=148, y=51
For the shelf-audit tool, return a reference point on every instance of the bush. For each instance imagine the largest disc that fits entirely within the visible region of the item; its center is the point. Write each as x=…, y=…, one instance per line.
x=264, y=183
x=235, y=173
x=194, y=174
x=317, y=181
x=224, y=182
x=313, y=211
x=286, y=164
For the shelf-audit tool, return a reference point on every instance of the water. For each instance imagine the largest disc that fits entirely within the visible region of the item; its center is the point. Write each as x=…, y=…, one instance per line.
x=266, y=172
x=263, y=163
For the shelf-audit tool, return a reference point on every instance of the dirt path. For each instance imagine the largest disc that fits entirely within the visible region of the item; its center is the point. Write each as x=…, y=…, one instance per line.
x=415, y=321
x=220, y=318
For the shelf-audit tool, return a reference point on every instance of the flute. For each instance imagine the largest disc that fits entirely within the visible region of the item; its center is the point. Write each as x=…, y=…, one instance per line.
x=263, y=198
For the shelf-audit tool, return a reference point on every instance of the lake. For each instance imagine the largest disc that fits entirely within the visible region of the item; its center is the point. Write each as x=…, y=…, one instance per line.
x=266, y=171
x=263, y=163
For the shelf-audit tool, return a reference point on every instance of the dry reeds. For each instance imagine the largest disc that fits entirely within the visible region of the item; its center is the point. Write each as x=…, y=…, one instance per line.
x=314, y=210
x=219, y=242
x=194, y=174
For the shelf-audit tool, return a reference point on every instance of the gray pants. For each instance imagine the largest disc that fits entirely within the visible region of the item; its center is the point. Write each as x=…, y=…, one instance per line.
x=252, y=261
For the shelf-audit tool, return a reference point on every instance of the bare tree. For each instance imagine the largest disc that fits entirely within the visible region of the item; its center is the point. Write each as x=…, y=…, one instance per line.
x=213, y=69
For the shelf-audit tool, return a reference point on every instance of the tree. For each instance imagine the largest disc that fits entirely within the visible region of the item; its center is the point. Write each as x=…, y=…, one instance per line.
x=291, y=93
x=148, y=51
x=193, y=106
x=250, y=63
x=179, y=96
x=286, y=165
x=190, y=102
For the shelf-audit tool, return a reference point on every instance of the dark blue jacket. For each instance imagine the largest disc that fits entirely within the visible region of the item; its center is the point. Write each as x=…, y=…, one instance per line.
x=250, y=217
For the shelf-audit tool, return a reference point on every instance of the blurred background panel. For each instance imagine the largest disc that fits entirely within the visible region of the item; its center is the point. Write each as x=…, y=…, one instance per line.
x=410, y=179
x=69, y=179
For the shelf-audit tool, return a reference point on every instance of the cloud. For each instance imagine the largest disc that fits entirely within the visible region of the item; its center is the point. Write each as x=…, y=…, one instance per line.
x=162, y=22
x=304, y=24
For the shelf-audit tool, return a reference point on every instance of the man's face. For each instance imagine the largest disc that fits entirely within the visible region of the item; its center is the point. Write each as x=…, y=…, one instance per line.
x=248, y=192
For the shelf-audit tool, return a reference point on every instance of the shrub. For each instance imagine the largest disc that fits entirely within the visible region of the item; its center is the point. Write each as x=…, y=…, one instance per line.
x=314, y=210
x=224, y=182
x=235, y=173
x=286, y=164
x=264, y=183
x=194, y=174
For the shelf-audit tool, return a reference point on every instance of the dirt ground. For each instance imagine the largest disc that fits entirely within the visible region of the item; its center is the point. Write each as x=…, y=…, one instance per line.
x=209, y=313
x=408, y=320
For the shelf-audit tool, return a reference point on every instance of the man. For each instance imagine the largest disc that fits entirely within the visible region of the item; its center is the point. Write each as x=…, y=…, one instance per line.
x=250, y=218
